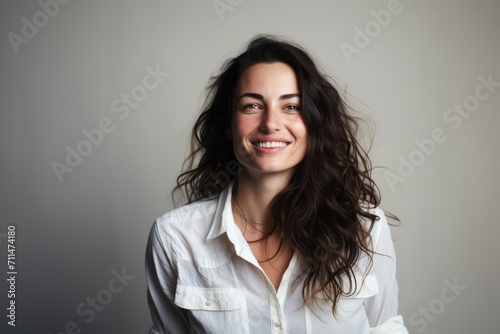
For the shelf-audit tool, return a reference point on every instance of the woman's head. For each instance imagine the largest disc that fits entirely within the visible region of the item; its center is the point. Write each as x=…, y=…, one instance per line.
x=329, y=128
x=267, y=129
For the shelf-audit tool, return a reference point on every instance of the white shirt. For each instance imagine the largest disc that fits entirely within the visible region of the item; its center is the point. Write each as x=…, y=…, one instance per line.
x=203, y=278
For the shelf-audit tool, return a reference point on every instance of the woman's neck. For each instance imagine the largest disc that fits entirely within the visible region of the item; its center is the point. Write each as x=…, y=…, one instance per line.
x=254, y=194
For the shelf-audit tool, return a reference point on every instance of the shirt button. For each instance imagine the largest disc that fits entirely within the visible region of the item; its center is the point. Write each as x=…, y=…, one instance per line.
x=208, y=303
x=276, y=324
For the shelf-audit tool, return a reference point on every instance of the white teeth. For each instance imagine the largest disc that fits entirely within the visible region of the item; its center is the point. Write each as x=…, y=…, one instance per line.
x=271, y=144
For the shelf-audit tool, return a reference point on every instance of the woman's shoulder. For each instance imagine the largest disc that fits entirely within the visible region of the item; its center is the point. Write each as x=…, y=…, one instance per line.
x=381, y=240
x=184, y=217
x=380, y=226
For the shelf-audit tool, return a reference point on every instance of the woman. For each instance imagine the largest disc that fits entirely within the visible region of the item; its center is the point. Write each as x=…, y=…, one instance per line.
x=282, y=232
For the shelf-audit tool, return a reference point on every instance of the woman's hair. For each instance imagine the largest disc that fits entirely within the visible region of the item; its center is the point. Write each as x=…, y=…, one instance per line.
x=323, y=211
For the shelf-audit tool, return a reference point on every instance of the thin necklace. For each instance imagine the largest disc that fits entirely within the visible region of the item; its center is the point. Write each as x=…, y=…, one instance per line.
x=247, y=222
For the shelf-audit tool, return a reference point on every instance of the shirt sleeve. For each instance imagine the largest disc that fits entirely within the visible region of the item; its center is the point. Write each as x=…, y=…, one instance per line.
x=161, y=279
x=382, y=309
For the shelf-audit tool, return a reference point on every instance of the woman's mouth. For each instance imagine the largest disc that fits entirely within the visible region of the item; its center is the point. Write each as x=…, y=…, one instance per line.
x=270, y=144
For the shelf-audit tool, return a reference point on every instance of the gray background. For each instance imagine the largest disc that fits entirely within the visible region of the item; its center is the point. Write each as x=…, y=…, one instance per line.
x=72, y=234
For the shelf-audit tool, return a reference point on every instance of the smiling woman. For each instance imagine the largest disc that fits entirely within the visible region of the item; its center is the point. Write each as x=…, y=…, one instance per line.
x=292, y=242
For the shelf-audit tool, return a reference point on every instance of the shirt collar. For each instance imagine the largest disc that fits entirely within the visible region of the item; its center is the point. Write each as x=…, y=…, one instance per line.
x=223, y=223
x=223, y=220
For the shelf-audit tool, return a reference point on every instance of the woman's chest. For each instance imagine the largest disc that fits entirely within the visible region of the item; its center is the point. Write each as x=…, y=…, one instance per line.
x=228, y=294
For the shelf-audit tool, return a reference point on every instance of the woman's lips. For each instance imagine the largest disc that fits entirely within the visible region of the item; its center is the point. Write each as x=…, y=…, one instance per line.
x=271, y=146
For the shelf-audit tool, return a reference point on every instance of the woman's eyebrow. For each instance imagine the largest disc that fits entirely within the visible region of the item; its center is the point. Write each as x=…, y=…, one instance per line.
x=260, y=97
x=289, y=96
x=252, y=95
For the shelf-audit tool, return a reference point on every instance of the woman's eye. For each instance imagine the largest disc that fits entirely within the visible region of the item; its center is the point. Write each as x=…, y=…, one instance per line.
x=252, y=106
x=293, y=108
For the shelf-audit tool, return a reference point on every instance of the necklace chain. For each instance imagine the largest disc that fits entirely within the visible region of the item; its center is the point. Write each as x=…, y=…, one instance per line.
x=247, y=222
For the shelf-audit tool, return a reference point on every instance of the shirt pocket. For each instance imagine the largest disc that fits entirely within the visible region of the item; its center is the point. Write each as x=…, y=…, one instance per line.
x=350, y=312
x=365, y=287
x=214, y=310
x=352, y=307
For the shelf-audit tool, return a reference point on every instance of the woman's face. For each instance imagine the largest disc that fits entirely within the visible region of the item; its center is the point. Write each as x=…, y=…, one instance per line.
x=267, y=130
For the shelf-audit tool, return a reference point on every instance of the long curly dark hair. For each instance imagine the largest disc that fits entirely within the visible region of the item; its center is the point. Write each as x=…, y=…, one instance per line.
x=323, y=211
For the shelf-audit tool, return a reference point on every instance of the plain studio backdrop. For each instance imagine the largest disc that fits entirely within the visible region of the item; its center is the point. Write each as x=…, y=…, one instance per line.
x=98, y=98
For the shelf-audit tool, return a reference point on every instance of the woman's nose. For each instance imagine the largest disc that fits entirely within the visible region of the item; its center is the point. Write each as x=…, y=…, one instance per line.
x=271, y=121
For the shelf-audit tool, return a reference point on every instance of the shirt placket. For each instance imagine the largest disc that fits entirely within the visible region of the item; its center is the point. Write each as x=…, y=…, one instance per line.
x=277, y=298
x=277, y=316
